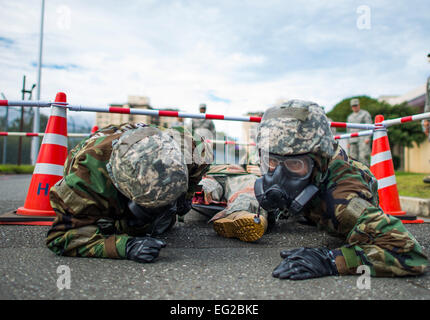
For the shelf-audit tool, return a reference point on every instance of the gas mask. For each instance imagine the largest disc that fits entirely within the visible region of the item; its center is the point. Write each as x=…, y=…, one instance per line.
x=286, y=183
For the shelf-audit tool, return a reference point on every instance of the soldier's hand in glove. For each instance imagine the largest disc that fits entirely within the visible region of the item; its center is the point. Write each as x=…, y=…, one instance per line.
x=143, y=249
x=306, y=263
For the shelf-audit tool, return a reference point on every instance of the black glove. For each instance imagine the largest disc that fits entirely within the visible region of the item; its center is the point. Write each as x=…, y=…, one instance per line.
x=305, y=263
x=143, y=249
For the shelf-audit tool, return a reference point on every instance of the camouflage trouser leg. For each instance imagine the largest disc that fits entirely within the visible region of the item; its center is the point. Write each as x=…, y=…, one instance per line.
x=360, y=151
x=364, y=153
x=86, y=241
x=353, y=151
x=384, y=244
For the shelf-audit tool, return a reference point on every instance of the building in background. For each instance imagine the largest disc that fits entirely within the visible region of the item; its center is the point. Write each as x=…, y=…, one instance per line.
x=134, y=102
x=414, y=98
x=416, y=159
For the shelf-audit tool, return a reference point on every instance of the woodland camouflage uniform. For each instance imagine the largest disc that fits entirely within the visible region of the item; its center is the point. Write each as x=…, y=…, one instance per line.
x=91, y=212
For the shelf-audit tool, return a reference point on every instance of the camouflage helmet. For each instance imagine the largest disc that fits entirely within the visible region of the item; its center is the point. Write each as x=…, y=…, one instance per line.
x=147, y=166
x=295, y=127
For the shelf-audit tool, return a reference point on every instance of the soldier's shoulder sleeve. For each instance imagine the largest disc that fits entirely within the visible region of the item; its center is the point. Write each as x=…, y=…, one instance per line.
x=348, y=178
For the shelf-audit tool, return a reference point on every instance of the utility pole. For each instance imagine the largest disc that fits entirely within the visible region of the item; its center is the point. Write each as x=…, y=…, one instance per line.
x=5, y=129
x=21, y=122
x=36, y=119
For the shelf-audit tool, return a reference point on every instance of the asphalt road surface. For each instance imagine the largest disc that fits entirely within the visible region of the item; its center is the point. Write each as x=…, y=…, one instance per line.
x=196, y=264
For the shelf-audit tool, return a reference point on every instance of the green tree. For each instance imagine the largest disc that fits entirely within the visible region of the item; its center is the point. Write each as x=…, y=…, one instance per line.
x=404, y=134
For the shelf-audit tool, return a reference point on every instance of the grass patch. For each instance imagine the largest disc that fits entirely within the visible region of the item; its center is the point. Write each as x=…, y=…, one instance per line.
x=15, y=169
x=411, y=185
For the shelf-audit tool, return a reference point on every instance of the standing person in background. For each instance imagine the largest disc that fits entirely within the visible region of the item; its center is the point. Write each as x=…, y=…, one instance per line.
x=426, y=123
x=359, y=148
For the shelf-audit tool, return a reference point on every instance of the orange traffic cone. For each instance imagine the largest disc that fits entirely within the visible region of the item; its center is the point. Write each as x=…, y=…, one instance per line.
x=94, y=129
x=381, y=165
x=48, y=170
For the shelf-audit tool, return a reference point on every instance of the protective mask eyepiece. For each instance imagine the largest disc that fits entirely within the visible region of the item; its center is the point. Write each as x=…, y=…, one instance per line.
x=284, y=180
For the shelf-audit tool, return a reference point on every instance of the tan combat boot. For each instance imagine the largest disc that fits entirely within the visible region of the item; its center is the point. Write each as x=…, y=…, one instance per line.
x=241, y=225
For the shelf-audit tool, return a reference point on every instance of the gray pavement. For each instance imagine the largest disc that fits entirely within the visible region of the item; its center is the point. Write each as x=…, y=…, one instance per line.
x=196, y=264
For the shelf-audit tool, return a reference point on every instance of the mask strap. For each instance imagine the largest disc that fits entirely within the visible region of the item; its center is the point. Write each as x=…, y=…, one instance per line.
x=257, y=219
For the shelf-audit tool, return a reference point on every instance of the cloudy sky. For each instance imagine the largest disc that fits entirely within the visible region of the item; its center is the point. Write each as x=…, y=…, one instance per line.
x=235, y=56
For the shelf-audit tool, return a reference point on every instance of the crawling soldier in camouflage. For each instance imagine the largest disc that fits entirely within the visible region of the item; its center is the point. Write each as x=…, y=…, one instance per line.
x=121, y=187
x=306, y=172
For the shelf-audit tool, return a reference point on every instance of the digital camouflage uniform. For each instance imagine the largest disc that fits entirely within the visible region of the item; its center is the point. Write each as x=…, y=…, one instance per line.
x=359, y=149
x=92, y=213
x=231, y=184
x=347, y=203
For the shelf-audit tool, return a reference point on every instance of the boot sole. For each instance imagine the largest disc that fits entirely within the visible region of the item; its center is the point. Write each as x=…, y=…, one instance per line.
x=243, y=228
